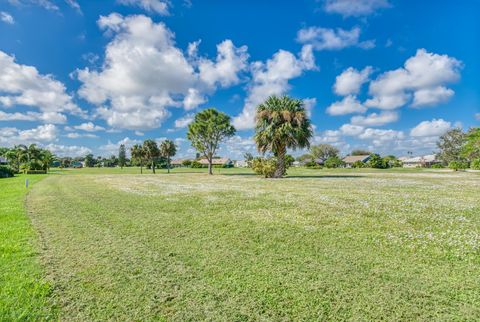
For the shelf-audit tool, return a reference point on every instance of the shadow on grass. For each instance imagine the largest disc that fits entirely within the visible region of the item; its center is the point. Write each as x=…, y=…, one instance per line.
x=322, y=177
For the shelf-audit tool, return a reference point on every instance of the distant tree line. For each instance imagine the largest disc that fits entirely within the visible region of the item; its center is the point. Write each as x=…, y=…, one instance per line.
x=27, y=159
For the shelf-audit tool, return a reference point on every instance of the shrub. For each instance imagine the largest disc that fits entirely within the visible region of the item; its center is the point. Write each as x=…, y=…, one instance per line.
x=187, y=163
x=196, y=164
x=377, y=162
x=437, y=166
x=475, y=164
x=458, y=165
x=6, y=172
x=358, y=164
x=333, y=162
x=313, y=165
x=265, y=167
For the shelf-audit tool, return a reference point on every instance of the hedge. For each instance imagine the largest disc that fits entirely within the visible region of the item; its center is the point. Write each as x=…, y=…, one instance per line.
x=6, y=172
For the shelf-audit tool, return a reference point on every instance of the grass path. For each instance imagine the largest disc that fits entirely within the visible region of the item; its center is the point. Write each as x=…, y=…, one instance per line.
x=328, y=246
x=24, y=294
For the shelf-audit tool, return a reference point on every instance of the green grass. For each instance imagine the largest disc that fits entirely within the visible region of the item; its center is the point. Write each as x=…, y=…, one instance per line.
x=24, y=294
x=319, y=245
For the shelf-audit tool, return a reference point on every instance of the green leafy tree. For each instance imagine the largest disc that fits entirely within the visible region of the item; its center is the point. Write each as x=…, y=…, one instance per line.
x=151, y=151
x=122, y=156
x=324, y=151
x=451, y=145
x=138, y=155
x=89, y=160
x=360, y=152
x=333, y=162
x=282, y=123
x=47, y=159
x=471, y=149
x=377, y=162
x=289, y=159
x=168, y=149
x=209, y=128
x=458, y=165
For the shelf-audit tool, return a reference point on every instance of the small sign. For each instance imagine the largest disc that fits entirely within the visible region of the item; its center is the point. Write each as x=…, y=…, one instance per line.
x=26, y=183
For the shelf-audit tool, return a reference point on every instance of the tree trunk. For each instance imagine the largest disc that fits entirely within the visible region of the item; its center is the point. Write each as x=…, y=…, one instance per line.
x=210, y=166
x=168, y=164
x=153, y=166
x=141, y=168
x=280, y=171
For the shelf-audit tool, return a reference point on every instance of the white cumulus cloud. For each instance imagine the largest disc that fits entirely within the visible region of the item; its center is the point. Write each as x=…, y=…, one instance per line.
x=332, y=39
x=155, y=6
x=7, y=18
x=355, y=8
x=271, y=78
x=350, y=80
x=435, y=127
x=423, y=76
x=375, y=119
x=347, y=105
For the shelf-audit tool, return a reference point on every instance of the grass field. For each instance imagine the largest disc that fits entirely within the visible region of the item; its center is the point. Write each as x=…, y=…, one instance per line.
x=328, y=245
x=24, y=293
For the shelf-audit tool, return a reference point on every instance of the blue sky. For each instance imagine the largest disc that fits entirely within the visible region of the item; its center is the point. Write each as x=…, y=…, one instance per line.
x=385, y=75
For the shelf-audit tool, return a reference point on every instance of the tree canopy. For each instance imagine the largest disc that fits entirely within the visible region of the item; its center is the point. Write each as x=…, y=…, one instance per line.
x=281, y=123
x=209, y=128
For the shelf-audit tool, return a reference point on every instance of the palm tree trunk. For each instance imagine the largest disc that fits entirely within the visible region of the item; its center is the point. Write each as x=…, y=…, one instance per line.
x=168, y=164
x=280, y=171
x=141, y=168
x=153, y=166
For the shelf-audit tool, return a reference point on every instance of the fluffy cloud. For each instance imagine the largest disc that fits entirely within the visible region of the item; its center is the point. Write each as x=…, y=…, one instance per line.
x=375, y=119
x=42, y=133
x=271, y=78
x=48, y=117
x=347, y=105
x=229, y=62
x=6, y=17
x=144, y=73
x=112, y=148
x=423, y=77
x=435, y=127
x=68, y=150
x=350, y=80
x=351, y=130
x=75, y=135
x=24, y=85
x=355, y=8
x=156, y=6
x=184, y=121
x=332, y=39
x=89, y=127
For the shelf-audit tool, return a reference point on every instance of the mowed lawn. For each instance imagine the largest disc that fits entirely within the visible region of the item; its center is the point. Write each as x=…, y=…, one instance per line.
x=318, y=245
x=24, y=292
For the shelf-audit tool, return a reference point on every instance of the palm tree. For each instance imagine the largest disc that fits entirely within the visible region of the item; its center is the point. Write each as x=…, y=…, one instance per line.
x=46, y=159
x=281, y=123
x=138, y=154
x=168, y=150
x=151, y=152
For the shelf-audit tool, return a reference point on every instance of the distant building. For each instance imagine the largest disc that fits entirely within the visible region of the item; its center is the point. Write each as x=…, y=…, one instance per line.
x=351, y=159
x=217, y=161
x=177, y=163
x=425, y=161
x=241, y=164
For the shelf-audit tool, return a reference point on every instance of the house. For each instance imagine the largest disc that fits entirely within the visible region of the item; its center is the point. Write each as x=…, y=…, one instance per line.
x=425, y=161
x=241, y=164
x=178, y=163
x=217, y=162
x=3, y=160
x=310, y=161
x=76, y=164
x=351, y=159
